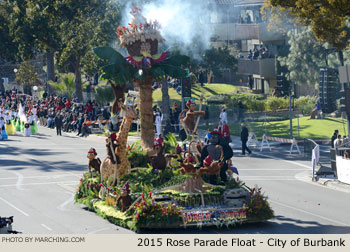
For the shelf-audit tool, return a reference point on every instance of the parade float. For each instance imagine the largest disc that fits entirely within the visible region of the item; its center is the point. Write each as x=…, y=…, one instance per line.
x=159, y=185
x=149, y=198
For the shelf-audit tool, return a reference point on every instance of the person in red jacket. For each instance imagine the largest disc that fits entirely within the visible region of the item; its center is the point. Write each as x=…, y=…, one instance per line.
x=67, y=104
x=225, y=132
x=58, y=107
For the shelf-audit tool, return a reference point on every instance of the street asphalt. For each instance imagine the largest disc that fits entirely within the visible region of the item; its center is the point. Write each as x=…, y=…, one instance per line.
x=39, y=176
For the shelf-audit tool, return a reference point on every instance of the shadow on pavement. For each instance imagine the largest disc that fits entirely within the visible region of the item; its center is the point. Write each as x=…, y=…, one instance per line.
x=280, y=225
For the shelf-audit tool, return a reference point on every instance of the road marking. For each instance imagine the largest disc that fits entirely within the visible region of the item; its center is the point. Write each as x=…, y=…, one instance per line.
x=275, y=169
x=62, y=207
x=52, y=176
x=68, y=187
x=268, y=179
x=288, y=161
x=46, y=227
x=98, y=230
x=315, y=215
x=258, y=176
x=44, y=183
x=19, y=180
x=11, y=205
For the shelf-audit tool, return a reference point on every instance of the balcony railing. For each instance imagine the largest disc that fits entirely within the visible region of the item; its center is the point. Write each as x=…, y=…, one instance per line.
x=262, y=67
x=233, y=31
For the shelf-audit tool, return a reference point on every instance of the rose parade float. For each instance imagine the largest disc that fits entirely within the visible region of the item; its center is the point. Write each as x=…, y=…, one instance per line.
x=154, y=183
x=163, y=197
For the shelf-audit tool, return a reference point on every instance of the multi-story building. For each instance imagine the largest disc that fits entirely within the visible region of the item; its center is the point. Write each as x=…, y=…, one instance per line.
x=240, y=22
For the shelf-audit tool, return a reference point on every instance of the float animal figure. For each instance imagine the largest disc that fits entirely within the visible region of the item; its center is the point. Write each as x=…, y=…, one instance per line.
x=189, y=123
x=158, y=161
x=124, y=198
x=130, y=114
x=187, y=164
x=94, y=163
x=109, y=167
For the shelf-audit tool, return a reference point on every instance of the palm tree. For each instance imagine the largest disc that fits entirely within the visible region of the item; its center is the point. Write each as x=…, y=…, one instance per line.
x=104, y=94
x=119, y=71
x=66, y=86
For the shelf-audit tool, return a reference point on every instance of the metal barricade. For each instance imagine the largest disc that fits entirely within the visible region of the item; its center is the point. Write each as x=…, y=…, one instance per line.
x=333, y=160
x=309, y=145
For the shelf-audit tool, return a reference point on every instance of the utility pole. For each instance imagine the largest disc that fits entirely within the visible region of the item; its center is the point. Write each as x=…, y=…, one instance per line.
x=290, y=112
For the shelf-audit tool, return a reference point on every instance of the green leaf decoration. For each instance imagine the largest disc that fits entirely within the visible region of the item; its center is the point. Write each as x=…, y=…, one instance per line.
x=117, y=69
x=108, y=53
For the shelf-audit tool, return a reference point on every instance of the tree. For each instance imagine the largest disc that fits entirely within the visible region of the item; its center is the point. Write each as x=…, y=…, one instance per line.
x=42, y=17
x=66, y=86
x=217, y=59
x=33, y=26
x=328, y=18
x=19, y=27
x=104, y=94
x=306, y=56
x=8, y=48
x=84, y=24
x=27, y=77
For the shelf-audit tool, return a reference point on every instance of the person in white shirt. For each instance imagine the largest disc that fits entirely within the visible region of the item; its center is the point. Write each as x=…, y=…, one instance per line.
x=158, y=122
x=337, y=144
x=223, y=115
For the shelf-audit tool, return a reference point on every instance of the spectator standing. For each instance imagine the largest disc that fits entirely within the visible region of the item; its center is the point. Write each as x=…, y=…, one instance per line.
x=250, y=82
x=334, y=137
x=158, y=122
x=244, y=139
x=58, y=124
x=248, y=19
x=223, y=115
x=51, y=119
x=337, y=144
x=201, y=78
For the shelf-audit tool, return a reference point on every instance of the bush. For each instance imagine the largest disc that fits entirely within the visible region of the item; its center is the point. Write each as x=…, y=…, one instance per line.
x=218, y=99
x=305, y=104
x=255, y=105
x=251, y=102
x=275, y=103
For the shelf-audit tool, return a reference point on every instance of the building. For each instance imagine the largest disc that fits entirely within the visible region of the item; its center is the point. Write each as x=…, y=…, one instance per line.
x=240, y=22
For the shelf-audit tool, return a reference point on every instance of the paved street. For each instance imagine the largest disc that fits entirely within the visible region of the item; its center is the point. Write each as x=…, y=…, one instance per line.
x=39, y=175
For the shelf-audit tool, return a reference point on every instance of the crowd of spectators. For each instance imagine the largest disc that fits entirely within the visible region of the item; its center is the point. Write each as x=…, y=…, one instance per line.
x=54, y=111
x=260, y=52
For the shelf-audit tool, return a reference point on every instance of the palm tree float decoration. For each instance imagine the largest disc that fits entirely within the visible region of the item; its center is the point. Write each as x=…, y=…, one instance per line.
x=142, y=66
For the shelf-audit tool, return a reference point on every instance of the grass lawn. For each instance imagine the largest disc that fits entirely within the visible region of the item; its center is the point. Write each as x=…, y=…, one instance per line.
x=208, y=90
x=314, y=129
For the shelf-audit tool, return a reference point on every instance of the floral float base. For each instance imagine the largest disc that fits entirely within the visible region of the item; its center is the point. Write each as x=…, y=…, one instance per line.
x=173, y=208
